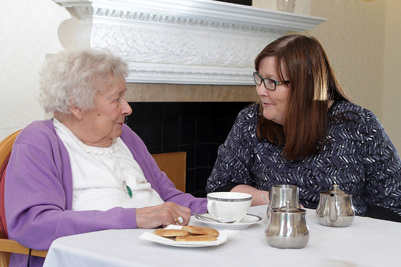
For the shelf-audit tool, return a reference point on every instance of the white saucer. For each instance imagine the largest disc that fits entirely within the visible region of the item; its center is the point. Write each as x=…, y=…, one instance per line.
x=247, y=221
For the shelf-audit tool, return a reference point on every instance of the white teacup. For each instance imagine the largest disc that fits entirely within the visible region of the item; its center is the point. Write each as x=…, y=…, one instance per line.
x=228, y=206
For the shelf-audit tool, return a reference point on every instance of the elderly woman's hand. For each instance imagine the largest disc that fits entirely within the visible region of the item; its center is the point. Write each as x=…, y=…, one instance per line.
x=162, y=215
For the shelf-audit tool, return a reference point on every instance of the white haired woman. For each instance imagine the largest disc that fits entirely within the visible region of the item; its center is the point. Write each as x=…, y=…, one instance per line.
x=84, y=169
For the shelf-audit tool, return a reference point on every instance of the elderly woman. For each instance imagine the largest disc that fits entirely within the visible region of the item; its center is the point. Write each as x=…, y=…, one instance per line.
x=306, y=132
x=84, y=170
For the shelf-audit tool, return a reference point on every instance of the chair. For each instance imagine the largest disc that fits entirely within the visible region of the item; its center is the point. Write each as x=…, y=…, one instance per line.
x=8, y=246
x=174, y=165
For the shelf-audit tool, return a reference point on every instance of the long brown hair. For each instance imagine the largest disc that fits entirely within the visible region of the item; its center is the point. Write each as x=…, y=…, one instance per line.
x=312, y=84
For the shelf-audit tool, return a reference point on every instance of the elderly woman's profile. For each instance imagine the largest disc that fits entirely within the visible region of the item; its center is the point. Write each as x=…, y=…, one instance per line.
x=84, y=170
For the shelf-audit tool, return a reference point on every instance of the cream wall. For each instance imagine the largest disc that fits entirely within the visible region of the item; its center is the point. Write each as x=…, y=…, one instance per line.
x=363, y=41
x=392, y=73
x=355, y=44
x=28, y=31
x=361, y=38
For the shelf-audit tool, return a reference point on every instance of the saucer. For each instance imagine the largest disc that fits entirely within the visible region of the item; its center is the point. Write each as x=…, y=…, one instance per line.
x=247, y=221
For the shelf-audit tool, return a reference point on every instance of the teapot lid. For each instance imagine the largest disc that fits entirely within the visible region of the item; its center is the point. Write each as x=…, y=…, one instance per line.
x=336, y=191
x=289, y=209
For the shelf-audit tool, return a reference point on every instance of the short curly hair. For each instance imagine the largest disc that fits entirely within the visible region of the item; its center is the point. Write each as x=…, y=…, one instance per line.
x=68, y=77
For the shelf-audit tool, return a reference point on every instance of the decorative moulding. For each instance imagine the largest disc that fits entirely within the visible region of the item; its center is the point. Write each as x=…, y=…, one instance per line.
x=181, y=41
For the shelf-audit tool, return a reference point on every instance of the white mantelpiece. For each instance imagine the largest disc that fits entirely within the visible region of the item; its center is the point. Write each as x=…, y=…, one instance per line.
x=182, y=41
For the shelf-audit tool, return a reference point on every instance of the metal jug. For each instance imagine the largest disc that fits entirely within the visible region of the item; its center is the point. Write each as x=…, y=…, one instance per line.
x=287, y=228
x=335, y=208
x=279, y=194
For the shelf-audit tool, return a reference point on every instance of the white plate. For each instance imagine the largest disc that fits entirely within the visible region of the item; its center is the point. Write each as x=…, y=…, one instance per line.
x=222, y=238
x=247, y=221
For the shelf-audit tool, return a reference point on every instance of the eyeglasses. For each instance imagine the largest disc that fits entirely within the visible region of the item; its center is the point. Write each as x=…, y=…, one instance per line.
x=269, y=84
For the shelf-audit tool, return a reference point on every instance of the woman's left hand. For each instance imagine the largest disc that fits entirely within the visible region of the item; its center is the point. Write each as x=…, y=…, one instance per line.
x=257, y=195
x=162, y=215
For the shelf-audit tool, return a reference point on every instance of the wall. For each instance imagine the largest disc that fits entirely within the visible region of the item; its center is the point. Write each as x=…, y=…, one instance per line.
x=361, y=38
x=28, y=31
x=354, y=43
x=302, y=6
x=364, y=46
x=392, y=73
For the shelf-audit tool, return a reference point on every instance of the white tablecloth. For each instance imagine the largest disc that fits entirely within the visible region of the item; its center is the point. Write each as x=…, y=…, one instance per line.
x=367, y=242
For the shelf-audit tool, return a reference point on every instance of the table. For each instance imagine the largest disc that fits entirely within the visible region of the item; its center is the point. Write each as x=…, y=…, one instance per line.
x=367, y=242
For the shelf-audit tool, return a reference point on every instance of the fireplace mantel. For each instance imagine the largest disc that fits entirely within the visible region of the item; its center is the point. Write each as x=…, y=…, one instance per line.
x=181, y=41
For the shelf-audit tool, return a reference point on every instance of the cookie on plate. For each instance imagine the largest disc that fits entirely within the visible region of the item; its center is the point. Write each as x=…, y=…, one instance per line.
x=170, y=232
x=200, y=230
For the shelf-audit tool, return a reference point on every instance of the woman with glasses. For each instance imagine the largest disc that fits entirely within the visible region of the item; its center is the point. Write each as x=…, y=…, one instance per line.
x=305, y=131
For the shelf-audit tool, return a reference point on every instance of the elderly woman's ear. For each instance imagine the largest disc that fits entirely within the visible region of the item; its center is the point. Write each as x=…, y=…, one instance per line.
x=76, y=112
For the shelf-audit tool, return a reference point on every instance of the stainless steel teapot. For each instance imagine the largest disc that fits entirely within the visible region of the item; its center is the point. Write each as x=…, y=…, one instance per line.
x=335, y=208
x=287, y=228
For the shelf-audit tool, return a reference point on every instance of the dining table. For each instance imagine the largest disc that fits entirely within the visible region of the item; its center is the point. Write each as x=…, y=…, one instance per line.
x=367, y=242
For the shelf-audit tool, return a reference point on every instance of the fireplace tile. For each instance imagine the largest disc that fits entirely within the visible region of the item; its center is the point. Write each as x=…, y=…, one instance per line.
x=195, y=127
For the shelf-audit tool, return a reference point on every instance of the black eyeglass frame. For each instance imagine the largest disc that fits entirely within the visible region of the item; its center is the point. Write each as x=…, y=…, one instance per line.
x=262, y=80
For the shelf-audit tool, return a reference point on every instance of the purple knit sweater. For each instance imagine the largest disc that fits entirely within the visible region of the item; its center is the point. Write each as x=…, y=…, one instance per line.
x=38, y=191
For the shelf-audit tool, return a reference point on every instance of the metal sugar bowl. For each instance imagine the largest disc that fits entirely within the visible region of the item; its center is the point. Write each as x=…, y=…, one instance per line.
x=287, y=228
x=335, y=208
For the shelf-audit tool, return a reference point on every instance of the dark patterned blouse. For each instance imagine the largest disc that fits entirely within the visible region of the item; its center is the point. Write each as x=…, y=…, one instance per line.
x=357, y=155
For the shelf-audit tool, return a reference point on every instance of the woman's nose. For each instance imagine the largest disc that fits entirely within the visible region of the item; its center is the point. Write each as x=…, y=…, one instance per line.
x=261, y=90
x=127, y=110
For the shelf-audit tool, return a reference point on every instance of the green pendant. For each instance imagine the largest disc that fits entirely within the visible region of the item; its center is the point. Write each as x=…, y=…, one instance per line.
x=129, y=191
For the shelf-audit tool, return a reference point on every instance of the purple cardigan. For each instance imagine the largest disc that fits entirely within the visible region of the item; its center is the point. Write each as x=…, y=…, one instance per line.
x=38, y=191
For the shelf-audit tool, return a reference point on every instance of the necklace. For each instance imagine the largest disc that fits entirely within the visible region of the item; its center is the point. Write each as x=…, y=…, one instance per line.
x=127, y=189
x=94, y=153
x=120, y=176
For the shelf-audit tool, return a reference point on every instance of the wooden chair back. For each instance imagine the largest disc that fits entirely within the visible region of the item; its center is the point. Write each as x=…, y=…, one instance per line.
x=8, y=246
x=174, y=164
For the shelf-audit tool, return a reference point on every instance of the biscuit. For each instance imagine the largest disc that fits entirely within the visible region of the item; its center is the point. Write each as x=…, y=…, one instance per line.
x=170, y=232
x=196, y=238
x=200, y=230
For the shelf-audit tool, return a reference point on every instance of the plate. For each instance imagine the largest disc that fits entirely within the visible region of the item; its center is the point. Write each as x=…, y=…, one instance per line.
x=221, y=239
x=247, y=221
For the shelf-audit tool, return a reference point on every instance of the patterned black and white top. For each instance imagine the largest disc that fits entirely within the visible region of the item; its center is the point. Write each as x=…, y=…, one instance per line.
x=357, y=155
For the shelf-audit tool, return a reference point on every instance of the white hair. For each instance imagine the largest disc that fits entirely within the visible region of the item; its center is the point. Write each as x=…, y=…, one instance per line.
x=68, y=78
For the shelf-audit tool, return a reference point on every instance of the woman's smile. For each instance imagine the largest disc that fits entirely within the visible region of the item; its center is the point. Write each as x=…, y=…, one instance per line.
x=267, y=104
